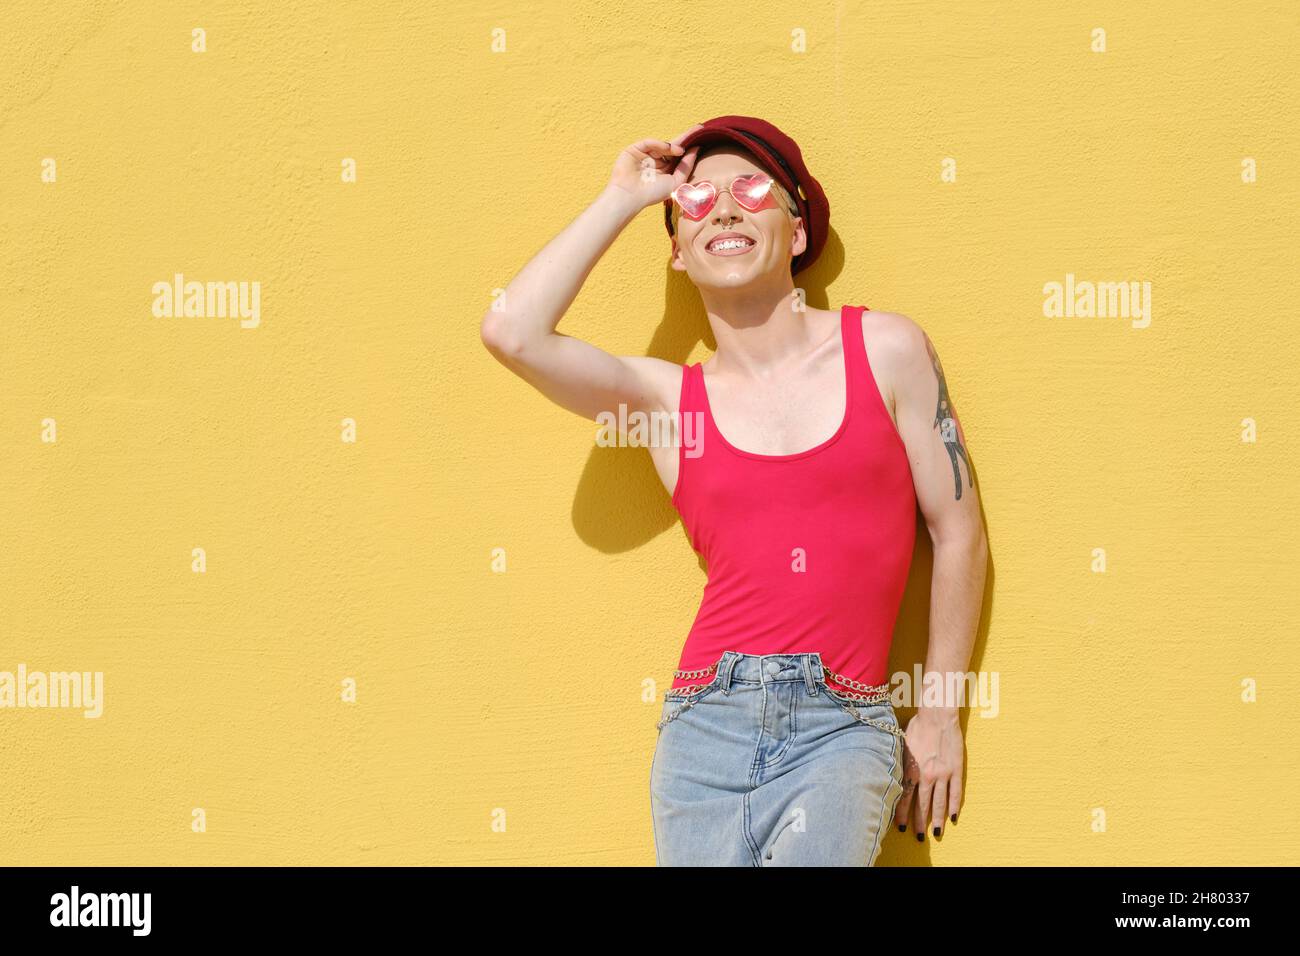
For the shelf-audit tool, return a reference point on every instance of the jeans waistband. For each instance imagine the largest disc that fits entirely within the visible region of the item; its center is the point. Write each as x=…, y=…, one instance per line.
x=770, y=669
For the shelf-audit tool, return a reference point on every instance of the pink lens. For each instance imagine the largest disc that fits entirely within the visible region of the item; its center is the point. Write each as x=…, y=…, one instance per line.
x=753, y=192
x=695, y=199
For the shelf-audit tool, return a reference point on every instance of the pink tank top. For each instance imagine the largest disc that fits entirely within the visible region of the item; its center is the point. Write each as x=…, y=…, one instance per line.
x=805, y=552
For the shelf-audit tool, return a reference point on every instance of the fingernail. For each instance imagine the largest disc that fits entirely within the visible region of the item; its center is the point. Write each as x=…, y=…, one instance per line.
x=936, y=831
x=920, y=836
x=902, y=828
x=954, y=818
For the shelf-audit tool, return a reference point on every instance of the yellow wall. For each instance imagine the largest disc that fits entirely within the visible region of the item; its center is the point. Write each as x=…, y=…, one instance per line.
x=527, y=690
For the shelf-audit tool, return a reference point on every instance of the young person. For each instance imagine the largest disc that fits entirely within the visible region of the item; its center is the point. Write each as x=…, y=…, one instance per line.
x=802, y=450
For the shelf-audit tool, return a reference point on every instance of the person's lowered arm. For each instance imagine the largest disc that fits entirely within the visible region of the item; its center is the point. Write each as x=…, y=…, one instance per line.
x=945, y=491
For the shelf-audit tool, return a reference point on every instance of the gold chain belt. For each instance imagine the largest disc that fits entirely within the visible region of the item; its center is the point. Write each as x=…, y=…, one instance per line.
x=874, y=693
x=689, y=675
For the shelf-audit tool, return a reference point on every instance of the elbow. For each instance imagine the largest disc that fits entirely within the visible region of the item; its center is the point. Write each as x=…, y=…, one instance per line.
x=499, y=337
x=967, y=537
x=979, y=548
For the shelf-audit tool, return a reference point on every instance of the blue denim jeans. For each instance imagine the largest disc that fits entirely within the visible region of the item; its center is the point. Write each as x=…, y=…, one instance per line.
x=767, y=766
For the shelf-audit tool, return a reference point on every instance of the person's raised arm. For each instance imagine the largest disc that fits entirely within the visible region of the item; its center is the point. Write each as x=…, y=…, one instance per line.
x=521, y=331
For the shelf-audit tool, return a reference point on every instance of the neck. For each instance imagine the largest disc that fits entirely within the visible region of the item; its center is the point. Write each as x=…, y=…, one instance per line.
x=756, y=329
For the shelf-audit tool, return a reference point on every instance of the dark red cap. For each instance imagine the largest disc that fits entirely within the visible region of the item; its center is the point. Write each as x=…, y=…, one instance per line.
x=780, y=155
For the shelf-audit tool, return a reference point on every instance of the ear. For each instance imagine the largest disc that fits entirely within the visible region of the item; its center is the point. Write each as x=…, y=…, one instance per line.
x=799, y=241
x=675, y=257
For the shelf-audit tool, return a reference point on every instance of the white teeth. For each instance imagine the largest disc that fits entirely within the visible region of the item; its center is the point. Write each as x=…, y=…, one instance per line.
x=730, y=244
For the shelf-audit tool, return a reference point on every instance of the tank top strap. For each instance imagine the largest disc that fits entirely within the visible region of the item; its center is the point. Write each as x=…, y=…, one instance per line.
x=688, y=400
x=690, y=424
x=690, y=409
x=856, y=359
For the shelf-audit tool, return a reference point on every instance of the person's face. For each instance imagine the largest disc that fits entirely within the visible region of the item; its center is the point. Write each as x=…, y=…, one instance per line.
x=768, y=238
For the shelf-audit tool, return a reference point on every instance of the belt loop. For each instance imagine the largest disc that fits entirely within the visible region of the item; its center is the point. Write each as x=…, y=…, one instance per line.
x=730, y=662
x=808, y=675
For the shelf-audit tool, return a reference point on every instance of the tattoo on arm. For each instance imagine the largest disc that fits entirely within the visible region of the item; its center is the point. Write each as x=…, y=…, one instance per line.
x=945, y=419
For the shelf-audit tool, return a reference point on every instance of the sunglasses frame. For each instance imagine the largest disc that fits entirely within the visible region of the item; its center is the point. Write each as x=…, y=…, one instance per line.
x=772, y=193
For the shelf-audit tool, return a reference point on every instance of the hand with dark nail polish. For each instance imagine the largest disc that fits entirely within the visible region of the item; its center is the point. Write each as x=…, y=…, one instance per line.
x=933, y=740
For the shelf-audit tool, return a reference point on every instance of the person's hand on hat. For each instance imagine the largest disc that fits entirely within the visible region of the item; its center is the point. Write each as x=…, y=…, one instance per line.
x=651, y=169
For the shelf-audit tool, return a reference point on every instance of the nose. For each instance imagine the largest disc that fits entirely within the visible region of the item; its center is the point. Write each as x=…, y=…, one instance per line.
x=726, y=210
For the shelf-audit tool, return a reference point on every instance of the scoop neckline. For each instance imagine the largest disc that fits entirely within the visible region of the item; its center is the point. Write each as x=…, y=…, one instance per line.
x=844, y=422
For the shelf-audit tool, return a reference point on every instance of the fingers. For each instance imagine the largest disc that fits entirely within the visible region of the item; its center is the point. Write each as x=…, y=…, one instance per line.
x=682, y=135
x=939, y=807
x=687, y=163
x=930, y=800
x=662, y=150
x=906, y=811
x=667, y=156
x=954, y=797
x=649, y=153
x=900, y=810
x=657, y=148
x=924, y=794
x=905, y=815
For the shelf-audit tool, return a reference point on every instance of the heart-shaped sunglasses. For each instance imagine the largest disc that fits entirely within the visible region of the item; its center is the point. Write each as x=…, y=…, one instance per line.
x=752, y=192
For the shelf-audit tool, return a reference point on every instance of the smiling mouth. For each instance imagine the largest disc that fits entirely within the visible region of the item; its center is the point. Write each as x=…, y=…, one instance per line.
x=730, y=246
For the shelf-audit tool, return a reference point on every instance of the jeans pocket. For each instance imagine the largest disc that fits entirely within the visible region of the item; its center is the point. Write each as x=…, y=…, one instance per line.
x=676, y=703
x=882, y=716
x=879, y=714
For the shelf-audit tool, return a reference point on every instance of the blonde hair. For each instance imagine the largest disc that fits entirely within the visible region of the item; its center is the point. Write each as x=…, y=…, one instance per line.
x=791, y=206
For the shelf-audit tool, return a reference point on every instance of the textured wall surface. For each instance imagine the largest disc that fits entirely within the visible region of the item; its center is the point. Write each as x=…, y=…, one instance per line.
x=529, y=697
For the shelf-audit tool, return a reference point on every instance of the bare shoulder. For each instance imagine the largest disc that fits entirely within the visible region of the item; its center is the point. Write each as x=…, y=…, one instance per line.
x=897, y=347
x=661, y=379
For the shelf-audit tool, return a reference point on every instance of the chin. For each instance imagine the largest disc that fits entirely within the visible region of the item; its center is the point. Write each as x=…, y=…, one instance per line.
x=727, y=272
